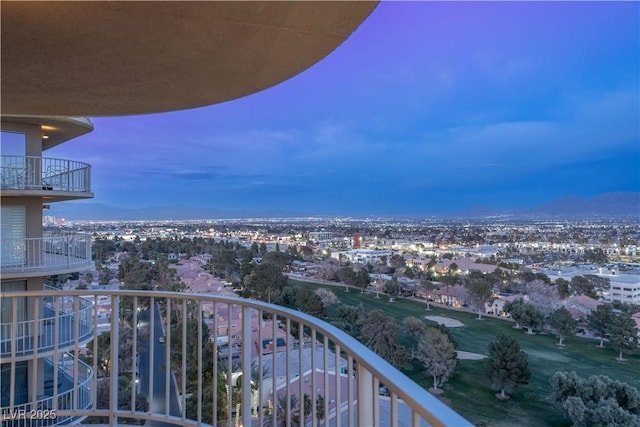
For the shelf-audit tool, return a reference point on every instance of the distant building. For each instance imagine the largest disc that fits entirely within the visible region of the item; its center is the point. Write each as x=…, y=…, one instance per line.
x=357, y=241
x=320, y=236
x=362, y=256
x=580, y=306
x=623, y=288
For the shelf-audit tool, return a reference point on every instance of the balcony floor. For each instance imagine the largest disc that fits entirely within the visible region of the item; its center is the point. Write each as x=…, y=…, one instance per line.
x=49, y=264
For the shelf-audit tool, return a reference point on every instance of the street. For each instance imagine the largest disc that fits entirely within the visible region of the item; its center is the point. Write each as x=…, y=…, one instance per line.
x=156, y=362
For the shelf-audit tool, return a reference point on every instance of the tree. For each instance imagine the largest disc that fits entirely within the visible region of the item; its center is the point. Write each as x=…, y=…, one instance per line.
x=397, y=261
x=392, y=288
x=580, y=285
x=453, y=268
x=328, y=297
x=428, y=286
x=380, y=333
x=414, y=327
x=597, y=400
x=135, y=273
x=562, y=286
x=624, y=333
x=320, y=404
x=328, y=270
x=347, y=275
x=596, y=256
x=562, y=321
x=88, y=278
x=223, y=261
x=285, y=417
x=479, y=292
x=543, y=296
x=507, y=365
x=349, y=318
x=600, y=320
x=103, y=391
x=599, y=283
x=408, y=272
x=524, y=314
x=439, y=356
x=104, y=275
x=281, y=259
x=264, y=280
x=310, y=303
x=362, y=279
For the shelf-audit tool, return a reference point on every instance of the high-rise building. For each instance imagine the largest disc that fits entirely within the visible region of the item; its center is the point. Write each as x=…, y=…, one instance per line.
x=32, y=368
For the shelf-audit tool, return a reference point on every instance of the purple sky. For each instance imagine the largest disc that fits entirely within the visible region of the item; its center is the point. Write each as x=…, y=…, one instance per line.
x=427, y=108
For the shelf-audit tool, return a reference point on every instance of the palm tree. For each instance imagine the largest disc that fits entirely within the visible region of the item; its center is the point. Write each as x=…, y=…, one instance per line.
x=282, y=415
x=320, y=408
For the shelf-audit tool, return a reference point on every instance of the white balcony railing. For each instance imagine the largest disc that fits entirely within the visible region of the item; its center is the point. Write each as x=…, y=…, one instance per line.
x=42, y=173
x=181, y=370
x=78, y=377
x=57, y=316
x=46, y=254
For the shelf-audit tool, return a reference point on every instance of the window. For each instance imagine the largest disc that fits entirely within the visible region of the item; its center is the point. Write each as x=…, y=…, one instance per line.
x=13, y=231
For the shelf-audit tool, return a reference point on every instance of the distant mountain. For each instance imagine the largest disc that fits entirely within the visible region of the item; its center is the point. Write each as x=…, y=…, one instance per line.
x=101, y=212
x=606, y=205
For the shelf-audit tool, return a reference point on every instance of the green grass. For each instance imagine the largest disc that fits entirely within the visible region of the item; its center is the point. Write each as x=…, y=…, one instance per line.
x=468, y=390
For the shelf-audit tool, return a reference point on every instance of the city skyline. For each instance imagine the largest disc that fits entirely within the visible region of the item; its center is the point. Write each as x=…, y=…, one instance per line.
x=428, y=108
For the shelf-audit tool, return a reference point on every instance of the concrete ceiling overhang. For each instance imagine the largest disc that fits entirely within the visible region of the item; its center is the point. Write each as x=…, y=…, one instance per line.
x=55, y=129
x=120, y=58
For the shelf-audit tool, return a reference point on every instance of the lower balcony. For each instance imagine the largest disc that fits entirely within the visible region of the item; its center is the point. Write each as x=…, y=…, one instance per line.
x=66, y=383
x=59, y=326
x=191, y=359
x=53, y=254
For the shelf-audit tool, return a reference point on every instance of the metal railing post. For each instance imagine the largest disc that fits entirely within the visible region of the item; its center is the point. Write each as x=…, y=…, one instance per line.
x=246, y=365
x=114, y=353
x=365, y=397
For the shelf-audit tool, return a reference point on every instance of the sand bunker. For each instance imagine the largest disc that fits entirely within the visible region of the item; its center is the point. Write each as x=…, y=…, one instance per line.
x=449, y=323
x=470, y=356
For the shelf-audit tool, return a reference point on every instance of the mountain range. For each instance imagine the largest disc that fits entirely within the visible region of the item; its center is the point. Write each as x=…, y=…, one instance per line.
x=605, y=205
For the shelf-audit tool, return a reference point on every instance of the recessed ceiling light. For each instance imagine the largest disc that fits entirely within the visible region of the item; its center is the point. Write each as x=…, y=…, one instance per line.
x=45, y=136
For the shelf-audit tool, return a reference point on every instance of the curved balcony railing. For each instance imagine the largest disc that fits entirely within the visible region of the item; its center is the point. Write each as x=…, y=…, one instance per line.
x=76, y=377
x=45, y=254
x=54, y=327
x=181, y=375
x=43, y=173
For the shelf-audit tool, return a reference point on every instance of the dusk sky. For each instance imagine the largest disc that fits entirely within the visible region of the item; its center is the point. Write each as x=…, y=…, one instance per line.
x=427, y=108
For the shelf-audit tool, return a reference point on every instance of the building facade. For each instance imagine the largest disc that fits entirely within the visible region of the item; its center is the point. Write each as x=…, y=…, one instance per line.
x=35, y=353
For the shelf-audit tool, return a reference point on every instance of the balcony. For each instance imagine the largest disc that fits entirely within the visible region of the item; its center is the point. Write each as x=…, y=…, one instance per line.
x=53, y=254
x=52, y=179
x=181, y=375
x=67, y=383
x=59, y=326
